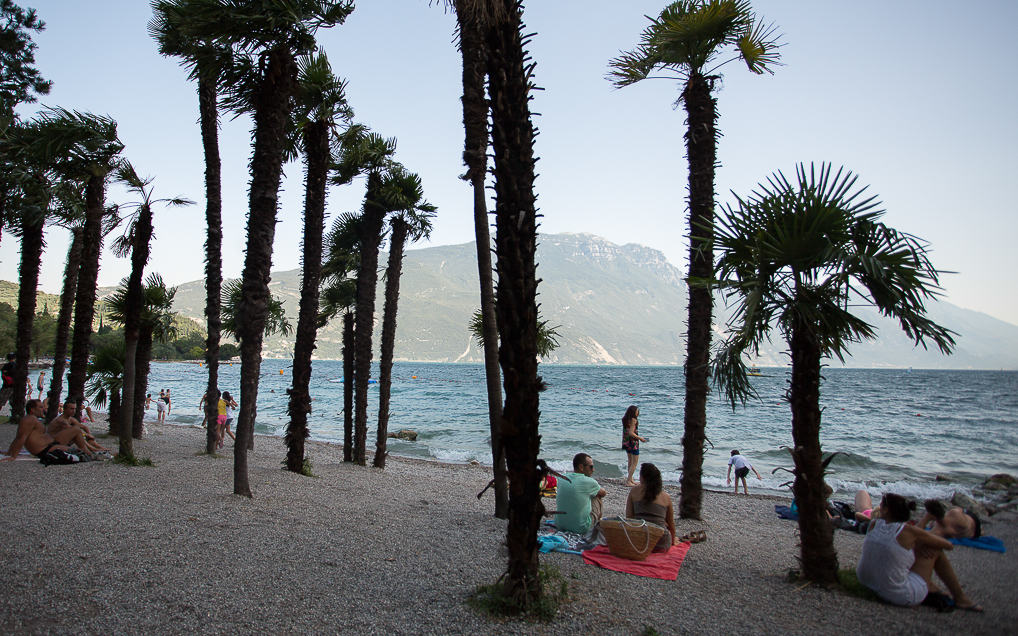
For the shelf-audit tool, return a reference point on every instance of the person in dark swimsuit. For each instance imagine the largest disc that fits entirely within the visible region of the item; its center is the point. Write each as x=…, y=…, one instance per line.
x=648, y=501
x=631, y=441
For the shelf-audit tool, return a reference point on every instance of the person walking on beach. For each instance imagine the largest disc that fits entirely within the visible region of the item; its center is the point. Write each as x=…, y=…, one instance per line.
x=742, y=468
x=230, y=404
x=631, y=440
x=579, y=500
x=201, y=408
x=41, y=383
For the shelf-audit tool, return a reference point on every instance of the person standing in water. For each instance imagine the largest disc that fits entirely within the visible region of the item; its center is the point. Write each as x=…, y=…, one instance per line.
x=41, y=384
x=631, y=440
x=742, y=468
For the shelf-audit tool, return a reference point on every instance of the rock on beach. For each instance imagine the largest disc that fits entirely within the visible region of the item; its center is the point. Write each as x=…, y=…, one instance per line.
x=103, y=548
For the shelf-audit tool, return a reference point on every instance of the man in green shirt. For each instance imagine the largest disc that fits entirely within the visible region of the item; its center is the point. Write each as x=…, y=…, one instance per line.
x=579, y=500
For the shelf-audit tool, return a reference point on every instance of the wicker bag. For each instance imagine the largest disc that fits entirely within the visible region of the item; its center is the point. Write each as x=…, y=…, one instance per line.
x=631, y=538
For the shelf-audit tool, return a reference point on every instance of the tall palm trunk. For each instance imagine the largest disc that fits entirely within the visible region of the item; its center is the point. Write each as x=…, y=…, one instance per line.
x=364, y=317
x=348, y=371
x=819, y=559
x=209, y=114
x=84, y=303
x=516, y=301
x=133, y=304
x=32, y=244
x=271, y=111
x=143, y=362
x=701, y=148
x=393, y=272
x=114, y=414
x=64, y=322
x=475, y=155
x=316, y=144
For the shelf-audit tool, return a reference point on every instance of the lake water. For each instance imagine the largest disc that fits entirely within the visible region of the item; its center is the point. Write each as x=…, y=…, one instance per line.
x=898, y=429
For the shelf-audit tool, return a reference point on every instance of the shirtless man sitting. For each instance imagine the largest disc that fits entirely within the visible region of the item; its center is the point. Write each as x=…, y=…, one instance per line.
x=955, y=523
x=67, y=420
x=32, y=435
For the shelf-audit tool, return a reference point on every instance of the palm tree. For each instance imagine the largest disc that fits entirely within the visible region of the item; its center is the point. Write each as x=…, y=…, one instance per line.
x=155, y=322
x=510, y=80
x=339, y=295
x=365, y=152
x=547, y=337
x=64, y=321
x=275, y=320
x=206, y=62
x=136, y=242
x=471, y=19
x=320, y=100
x=686, y=41
x=275, y=34
x=20, y=77
x=404, y=196
x=801, y=254
x=105, y=379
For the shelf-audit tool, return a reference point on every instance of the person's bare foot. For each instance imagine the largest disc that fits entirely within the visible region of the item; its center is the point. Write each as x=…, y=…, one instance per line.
x=629, y=482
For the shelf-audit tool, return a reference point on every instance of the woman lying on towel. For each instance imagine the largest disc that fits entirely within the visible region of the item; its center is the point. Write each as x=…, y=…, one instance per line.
x=898, y=560
x=648, y=501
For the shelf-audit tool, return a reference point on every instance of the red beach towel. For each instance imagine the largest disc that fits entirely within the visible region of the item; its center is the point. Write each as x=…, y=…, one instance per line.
x=659, y=565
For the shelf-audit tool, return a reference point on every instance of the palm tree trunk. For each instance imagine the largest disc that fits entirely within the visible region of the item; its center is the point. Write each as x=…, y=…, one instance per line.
x=143, y=361
x=64, y=322
x=271, y=112
x=393, y=272
x=819, y=559
x=84, y=303
x=367, y=278
x=475, y=156
x=701, y=148
x=516, y=301
x=114, y=414
x=316, y=144
x=132, y=325
x=32, y=244
x=207, y=107
x=348, y=371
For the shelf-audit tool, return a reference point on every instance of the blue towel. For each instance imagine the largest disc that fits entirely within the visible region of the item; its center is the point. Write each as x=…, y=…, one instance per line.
x=984, y=542
x=554, y=543
x=786, y=513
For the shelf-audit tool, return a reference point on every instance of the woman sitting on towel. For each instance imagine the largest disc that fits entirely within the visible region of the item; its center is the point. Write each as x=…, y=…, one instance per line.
x=898, y=560
x=648, y=501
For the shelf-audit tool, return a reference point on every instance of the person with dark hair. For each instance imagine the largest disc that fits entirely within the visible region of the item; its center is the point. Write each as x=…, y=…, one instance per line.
x=953, y=523
x=899, y=559
x=742, y=468
x=32, y=435
x=7, y=376
x=648, y=501
x=66, y=420
x=631, y=440
x=578, y=501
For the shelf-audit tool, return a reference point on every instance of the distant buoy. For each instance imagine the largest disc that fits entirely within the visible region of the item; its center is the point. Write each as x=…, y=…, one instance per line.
x=413, y=377
x=280, y=372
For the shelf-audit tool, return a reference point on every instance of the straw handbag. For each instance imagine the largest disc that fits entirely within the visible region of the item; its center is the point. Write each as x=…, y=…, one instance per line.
x=631, y=538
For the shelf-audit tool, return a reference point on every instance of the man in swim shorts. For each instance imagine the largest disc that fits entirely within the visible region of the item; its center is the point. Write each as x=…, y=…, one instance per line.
x=66, y=420
x=32, y=435
x=955, y=523
x=579, y=500
x=742, y=468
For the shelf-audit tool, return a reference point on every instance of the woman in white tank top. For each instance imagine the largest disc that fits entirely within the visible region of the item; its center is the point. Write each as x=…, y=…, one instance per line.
x=898, y=560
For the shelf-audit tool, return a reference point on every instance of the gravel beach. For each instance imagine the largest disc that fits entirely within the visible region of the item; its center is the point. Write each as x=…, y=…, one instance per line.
x=102, y=548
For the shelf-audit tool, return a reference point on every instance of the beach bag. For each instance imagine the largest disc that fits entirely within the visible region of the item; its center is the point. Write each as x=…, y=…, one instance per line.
x=631, y=538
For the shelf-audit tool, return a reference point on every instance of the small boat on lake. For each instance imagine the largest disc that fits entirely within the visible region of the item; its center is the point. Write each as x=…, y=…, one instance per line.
x=755, y=372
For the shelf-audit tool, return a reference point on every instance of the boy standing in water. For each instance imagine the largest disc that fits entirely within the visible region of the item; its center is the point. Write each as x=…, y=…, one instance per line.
x=742, y=468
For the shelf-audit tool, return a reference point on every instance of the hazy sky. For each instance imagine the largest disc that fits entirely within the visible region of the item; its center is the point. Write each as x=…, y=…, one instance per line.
x=916, y=97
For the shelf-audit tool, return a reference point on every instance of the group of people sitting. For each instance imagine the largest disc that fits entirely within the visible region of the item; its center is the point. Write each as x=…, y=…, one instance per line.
x=899, y=557
x=65, y=440
x=580, y=506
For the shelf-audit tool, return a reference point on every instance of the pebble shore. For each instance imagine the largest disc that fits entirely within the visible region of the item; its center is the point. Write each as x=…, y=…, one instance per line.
x=101, y=548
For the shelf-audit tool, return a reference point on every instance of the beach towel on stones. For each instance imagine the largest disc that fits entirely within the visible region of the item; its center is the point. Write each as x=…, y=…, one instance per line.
x=658, y=565
x=786, y=513
x=985, y=542
x=574, y=541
